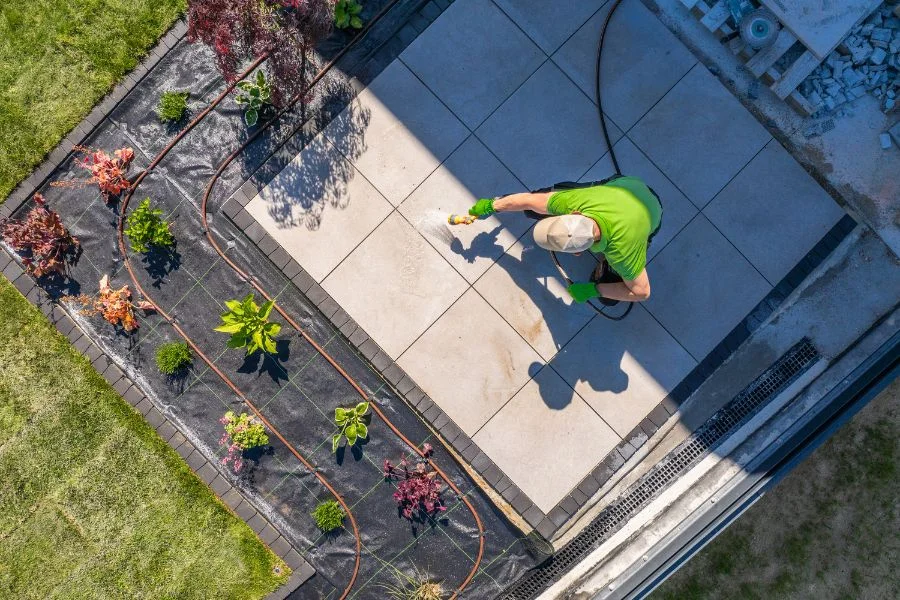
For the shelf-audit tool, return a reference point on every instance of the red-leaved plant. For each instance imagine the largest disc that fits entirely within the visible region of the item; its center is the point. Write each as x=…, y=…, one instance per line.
x=108, y=172
x=45, y=244
x=418, y=494
x=286, y=30
x=114, y=305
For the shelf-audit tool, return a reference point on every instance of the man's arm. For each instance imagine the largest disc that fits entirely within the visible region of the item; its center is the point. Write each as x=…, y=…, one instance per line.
x=514, y=202
x=637, y=290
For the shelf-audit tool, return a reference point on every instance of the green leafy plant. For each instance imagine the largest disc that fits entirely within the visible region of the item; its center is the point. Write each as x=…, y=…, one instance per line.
x=173, y=357
x=248, y=324
x=351, y=422
x=172, y=106
x=328, y=515
x=242, y=432
x=346, y=14
x=253, y=96
x=145, y=227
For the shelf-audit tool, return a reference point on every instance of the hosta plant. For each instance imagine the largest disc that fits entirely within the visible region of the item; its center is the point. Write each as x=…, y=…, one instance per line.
x=346, y=14
x=108, y=172
x=114, y=305
x=352, y=423
x=254, y=95
x=172, y=106
x=146, y=228
x=242, y=432
x=249, y=326
x=173, y=358
x=45, y=244
x=329, y=515
x=418, y=494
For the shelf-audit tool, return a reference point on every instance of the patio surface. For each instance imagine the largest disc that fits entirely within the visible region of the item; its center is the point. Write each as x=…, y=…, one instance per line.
x=496, y=97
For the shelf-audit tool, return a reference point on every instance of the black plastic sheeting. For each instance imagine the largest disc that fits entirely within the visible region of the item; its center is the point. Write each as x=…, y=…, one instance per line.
x=297, y=390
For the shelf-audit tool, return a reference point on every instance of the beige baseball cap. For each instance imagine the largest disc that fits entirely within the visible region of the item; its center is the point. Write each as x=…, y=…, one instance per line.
x=566, y=233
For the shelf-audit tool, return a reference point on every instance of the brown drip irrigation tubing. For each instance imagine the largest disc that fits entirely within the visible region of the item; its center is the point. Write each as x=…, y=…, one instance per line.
x=322, y=72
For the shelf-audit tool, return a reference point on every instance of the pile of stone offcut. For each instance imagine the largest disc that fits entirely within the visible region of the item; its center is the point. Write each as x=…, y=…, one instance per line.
x=867, y=61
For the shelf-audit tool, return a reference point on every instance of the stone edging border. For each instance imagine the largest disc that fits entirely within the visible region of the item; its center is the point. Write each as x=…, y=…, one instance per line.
x=168, y=431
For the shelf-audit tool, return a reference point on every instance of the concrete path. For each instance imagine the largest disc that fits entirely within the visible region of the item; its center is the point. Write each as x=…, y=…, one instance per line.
x=496, y=97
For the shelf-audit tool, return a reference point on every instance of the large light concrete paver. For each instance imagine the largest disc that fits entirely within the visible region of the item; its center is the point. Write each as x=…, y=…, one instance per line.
x=394, y=285
x=773, y=212
x=473, y=57
x=470, y=362
x=396, y=132
x=470, y=173
x=549, y=23
x=525, y=287
x=642, y=60
x=702, y=287
x=547, y=131
x=623, y=369
x=699, y=135
x=546, y=439
x=677, y=209
x=319, y=208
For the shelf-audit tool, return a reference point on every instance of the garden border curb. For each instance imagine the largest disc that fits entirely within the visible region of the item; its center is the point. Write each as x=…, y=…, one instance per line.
x=170, y=433
x=83, y=130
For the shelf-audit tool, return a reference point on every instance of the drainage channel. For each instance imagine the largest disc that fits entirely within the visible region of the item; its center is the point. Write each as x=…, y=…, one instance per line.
x=739, y=410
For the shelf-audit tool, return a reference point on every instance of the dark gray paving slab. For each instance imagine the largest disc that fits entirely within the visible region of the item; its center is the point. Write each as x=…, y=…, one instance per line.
x=699, y=135
x=472, y=58
x=773, y=212
x=546, y=131
x=702, y=287
x=642, y=60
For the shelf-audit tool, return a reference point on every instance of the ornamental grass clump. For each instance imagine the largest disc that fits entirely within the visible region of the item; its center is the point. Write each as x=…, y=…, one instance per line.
x=417, y=586
x=418, y=494
x=44, y=243
x=352, y=423
x=172, y=106
x=329, y=515
x=173, y=358
x=249, y=326
x=108, y=172
x=146, y=228
x=242, y=432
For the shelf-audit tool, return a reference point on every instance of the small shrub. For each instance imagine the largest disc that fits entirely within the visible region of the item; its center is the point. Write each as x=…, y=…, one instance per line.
x=107, y=172
x=350, y=420
x=173, y=357
x=242, y=432
x=146, y=228
x=418, y=494
x=329, y=515
x=346, y=14
x=253, y=96
x=249, y=325
x=114, y=305
x=172, y=106
x=46, y=245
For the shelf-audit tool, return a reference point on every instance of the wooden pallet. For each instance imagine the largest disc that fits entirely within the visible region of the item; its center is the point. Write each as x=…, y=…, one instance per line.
x=761, y=63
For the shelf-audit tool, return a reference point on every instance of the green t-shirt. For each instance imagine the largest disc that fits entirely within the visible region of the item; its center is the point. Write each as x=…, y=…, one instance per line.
x=626, y=212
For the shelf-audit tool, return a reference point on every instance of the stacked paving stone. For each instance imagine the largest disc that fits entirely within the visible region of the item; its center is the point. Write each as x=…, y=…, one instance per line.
x=867, y=61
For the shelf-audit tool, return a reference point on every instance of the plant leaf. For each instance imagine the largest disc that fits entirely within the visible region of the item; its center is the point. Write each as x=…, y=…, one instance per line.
x=362, y=408
x=335, y=440
x=251, y=117
x=229, y=327
x=350, y=431
x=269, y=345
x=266, y=310
x=238, y=340
x=233, y=305
x=356, y=23
x=340, y=415
x=362, y=430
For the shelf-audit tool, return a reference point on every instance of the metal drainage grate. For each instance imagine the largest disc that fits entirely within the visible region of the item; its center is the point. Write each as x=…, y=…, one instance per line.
x=775, y=379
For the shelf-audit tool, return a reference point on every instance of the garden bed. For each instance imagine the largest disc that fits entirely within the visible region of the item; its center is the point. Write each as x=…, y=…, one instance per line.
x=296, y=389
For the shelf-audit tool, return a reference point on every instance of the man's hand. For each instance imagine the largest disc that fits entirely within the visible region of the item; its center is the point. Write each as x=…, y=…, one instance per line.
x=483, y=208
x=582, y=292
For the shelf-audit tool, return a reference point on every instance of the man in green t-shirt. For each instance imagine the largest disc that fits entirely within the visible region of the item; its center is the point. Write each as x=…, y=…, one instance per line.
x=614, y=218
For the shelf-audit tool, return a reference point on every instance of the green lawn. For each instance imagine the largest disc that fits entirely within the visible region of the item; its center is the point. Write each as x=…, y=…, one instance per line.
x=57, y=59
x=93, y=504
x=827, y=531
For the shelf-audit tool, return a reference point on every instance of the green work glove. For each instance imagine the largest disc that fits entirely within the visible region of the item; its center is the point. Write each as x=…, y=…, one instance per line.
x=482, y=208
x=582, y=292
